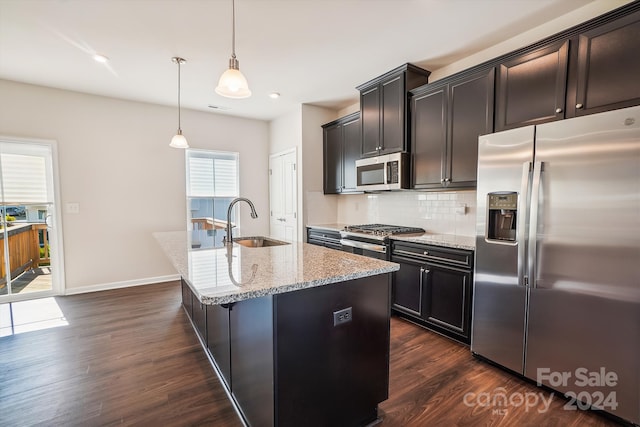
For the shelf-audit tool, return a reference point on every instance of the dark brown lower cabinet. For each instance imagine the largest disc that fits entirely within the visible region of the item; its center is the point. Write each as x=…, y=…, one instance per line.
x=200, y=318
x=218, y=340
x=287, y=361
x=434, y=288
x=187, y=298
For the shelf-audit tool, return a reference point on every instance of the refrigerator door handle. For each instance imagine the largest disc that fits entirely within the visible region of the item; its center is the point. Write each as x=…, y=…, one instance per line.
x=533, y=223
x=522, y=223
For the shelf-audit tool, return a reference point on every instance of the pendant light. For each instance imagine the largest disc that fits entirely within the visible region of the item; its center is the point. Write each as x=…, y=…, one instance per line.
x=178, y=140
x=232, y=83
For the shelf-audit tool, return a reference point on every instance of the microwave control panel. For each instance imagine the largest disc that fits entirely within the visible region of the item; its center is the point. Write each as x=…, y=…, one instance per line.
x=392, y=172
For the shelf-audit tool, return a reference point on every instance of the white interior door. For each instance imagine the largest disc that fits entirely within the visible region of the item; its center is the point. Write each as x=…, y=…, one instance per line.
x=283, y=200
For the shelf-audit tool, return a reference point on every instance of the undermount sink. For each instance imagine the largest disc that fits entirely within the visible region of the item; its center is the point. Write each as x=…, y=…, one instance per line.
x=258, y=242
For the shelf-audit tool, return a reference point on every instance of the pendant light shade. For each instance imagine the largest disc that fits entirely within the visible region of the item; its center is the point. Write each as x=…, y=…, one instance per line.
x=232, y=83
x=178, y=140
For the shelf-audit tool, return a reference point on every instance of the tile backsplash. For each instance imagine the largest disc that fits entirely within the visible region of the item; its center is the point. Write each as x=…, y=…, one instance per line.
x=449, y=212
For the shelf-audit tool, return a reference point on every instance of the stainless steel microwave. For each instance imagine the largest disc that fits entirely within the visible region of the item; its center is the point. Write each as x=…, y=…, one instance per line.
x=388, y=172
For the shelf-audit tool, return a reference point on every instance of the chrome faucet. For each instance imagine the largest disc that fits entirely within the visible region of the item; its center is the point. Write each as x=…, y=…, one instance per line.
x=228, y=239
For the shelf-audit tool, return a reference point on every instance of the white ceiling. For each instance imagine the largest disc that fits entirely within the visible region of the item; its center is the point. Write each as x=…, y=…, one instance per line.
x=311, y=51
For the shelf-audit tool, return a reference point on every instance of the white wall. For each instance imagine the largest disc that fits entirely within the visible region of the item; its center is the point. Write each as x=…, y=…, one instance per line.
x=318, y=207
x=114, y=160
x=301, y=128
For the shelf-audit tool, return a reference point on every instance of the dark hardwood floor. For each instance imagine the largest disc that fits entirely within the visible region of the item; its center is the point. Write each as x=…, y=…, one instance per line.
x=130, y=357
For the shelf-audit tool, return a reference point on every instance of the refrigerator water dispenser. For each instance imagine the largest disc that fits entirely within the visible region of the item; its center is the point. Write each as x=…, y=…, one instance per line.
x=502, y=214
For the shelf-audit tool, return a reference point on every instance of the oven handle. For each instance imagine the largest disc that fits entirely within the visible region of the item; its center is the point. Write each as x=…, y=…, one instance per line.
x=366, y=246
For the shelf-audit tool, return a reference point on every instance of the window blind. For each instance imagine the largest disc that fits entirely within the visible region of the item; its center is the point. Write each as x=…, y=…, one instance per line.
x=25, y=176
x=212, y=174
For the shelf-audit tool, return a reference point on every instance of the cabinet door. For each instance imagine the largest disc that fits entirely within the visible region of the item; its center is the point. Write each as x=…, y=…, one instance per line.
x=351, y=142
x=531, y=88
x=470, y=115
x=218, y=340
x=333, y=159
x=200, y=318
x=393, y=118
x=252, y=359
x=428, y=137
x=447, y=298
x=186, y=298
x=609, y=67
x=407, y=287
x=370, y=116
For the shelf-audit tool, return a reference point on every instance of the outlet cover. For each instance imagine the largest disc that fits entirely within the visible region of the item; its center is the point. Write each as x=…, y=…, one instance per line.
x=342, y=316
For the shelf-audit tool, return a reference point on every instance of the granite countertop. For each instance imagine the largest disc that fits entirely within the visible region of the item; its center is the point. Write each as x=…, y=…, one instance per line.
x=220, y=274
x=429, y=238
x=445, y=240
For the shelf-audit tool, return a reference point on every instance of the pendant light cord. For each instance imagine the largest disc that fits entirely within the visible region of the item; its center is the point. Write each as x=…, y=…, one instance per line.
x=233, y=28
x=179, y=127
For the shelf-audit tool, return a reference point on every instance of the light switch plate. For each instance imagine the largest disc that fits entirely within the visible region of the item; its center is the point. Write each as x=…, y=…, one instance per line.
x=72, y=208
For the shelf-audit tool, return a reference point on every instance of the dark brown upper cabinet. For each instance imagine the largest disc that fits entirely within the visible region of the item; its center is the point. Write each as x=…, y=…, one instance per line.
x=446, y=119
x=341, y=150
x=383, y=108
x=607, y=75
x=531, y=88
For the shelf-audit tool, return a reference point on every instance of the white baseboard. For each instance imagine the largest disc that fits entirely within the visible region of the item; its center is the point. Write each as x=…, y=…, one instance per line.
x=123, y=284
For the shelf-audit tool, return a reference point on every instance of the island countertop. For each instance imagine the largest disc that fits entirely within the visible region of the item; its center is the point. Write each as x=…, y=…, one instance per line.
x=219, y=274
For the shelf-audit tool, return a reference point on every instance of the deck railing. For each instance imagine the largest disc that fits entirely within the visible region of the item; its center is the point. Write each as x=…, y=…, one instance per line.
x=24, y=248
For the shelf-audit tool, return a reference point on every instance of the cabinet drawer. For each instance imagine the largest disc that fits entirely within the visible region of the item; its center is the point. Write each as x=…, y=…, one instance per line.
x=435, y=254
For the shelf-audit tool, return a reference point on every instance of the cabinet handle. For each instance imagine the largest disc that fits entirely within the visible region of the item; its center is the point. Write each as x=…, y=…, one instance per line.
x=442, y=180
x=579, y=106
x=558, y=110
x=425, y=253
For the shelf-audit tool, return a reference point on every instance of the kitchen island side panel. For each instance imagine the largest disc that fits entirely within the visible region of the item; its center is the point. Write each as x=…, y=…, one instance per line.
x=252, y=365
x=326, y=374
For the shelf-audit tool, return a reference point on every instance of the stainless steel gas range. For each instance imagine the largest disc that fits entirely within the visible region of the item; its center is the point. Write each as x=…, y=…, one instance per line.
x=372, y=239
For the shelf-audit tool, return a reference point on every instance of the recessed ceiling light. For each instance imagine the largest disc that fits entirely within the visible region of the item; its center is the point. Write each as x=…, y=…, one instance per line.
x=274, y=95
x=100, y=58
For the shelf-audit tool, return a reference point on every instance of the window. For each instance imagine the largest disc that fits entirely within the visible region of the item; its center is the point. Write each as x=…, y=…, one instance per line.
x=212, y=183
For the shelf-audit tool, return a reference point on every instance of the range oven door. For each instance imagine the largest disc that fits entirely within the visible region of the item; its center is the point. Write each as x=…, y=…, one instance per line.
x=371, y=250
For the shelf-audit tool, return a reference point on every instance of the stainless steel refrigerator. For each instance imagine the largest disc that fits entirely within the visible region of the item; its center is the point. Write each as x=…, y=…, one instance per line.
x=557, y=272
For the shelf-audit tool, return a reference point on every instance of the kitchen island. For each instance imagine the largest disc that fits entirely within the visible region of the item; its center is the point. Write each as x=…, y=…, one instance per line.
x=298, y=334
